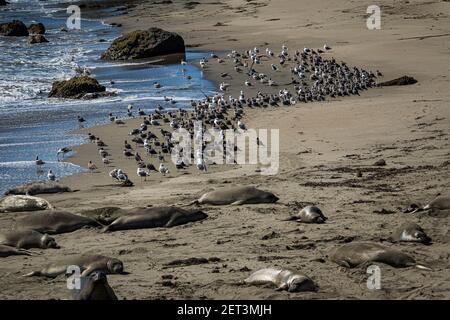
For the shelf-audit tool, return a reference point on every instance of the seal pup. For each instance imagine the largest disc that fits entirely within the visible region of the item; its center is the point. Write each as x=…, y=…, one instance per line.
x=162, y=217
x=410, y=232
x=309, y=214
x=17, y=203
x=236, y=196
x=439, y=203
x=34, y=188
x=6, y=251
x=55, y=222
x=94, y=287
x=27, y=239
x=86, y=263
x=283, y=279
x=353, y=254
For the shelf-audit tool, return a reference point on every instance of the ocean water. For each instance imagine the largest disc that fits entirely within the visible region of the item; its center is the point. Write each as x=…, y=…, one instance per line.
x=31, y=124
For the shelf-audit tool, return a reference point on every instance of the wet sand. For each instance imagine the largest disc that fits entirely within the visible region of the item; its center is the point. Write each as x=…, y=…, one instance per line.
x=322, y=146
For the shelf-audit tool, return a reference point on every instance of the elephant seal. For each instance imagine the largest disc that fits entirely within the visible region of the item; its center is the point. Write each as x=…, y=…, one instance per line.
x=23, y=203
x=55, y=222
x=440, y=206
x=40, y=187
x=157, y=217
x=410, y=232
x=27, y=239
x=86, y=263
x=355, y=253
x=310, y=214
x=284, y=279
x=236, y=196
x=94, y=287
x=6, y=251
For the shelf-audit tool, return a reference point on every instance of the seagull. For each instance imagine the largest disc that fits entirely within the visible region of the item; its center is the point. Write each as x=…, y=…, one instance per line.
x=157, y=85
x=326, y=47
x=183, y=63
x=118, y=121
x=274, y=67
x=62, y=151
x=91, y=166
x=142, y=173
x=121, y=176
x=105, y=161
x=241, y=125
x=113, y=174
x=248, y=83
x=51, y=176
x=163, y=169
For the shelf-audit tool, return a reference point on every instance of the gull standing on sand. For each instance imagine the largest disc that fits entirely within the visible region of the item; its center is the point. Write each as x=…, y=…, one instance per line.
x=326, y=47
x=121, y=176
x=142, y=173
x=51, y=176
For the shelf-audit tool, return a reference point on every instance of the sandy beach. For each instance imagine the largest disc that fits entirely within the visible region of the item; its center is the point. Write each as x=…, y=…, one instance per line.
x=323, y=146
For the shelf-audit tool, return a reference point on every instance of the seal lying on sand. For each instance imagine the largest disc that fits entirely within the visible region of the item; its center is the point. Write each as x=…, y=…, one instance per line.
x=86, y=263
x=309, y=214
x=6, y=251
x=353, y=254
x=157, y=217
x=284, y=279
x=55, y=222
x=23, y=203
x=27, y=239
x=410, y=232
x=95, y=287
x=236, y=196
x=38, y=188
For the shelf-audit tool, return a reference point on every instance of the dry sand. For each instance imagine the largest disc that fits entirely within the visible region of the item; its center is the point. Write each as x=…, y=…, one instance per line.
x=322, y=147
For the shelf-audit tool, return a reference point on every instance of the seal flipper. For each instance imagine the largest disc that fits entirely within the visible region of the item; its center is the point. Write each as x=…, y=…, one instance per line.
x=422, y=267
x=238, y=202
x=32, y=274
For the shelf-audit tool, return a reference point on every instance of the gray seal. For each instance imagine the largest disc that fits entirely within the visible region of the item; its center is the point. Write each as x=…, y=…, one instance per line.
x=410, y=232
x=55, y=222
x=27, y=239
x=283, y=279
x=6, y=251
x=353, y=254
x=34, y=188
x=237, y=196
x=86, y=263
x=23, y=203
x=157, y=217
x=94, y=287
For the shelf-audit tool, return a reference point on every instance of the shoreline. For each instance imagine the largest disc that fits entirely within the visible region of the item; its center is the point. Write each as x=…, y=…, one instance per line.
x=323, y=147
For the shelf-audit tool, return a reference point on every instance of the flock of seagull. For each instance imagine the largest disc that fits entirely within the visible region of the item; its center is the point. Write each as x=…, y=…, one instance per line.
x=312, y=78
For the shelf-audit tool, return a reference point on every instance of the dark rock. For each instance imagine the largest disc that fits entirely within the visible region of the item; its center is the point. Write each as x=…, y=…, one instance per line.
x=402, y=81
x=75, y=88
x=144, y=44
x=16, y=28
x=380, y=163
x=36, y=28
x=36, y=38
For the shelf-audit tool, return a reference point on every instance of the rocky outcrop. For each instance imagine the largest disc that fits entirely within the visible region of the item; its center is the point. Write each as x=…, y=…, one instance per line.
x=16, y=28
x=76, y=88
x=36, y=38
x=36, y=28
x=144, y=44
x=402, y=81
